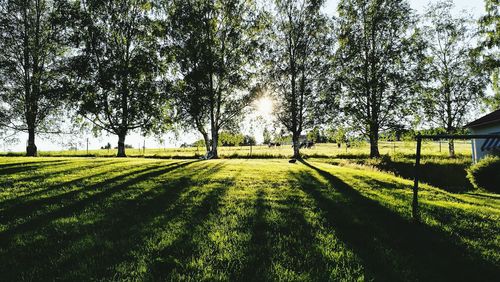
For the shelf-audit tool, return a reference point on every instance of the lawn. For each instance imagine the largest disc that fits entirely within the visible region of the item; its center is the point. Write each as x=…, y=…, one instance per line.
x=323, y=150
x=236, y=219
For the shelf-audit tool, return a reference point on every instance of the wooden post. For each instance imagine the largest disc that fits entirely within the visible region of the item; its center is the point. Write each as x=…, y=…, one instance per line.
x=87, y=146
x=144, y=147
x=250, y=149
x=415, y=209
x=440, y=145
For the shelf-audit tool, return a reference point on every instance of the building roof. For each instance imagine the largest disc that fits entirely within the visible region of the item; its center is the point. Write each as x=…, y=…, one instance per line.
x=493, y=117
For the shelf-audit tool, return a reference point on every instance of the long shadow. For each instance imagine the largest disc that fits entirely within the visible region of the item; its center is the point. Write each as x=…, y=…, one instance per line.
x=289, y=241
x=28, y=208
x=391, y=247
x=41, y=175
x=259, y=254
x=177, y=255
x=129, y=223
x=21, y=198
x=120, y=227
x=7, y=170
x=38, y=162
x=111, y=186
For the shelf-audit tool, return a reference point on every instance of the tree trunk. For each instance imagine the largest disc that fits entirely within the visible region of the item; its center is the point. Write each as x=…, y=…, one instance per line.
x=121, y=145
x=296, y=145
x=207, y=141
x=374, y=152
x=215, y=141
x=31, y=150
x=451, y=148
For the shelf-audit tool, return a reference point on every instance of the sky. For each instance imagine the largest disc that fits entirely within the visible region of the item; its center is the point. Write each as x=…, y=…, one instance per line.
x=475, y=7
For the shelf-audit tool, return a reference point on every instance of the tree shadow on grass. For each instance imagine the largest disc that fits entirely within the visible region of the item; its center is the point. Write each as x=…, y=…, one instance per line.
x=174, y=259
x=283, y=244
x=124, y=228
x=71, y=203
x=37, y=162
x=391, y=247
x=110, y=236
x=259, y=255
x=28, y=167
x=41, y=176
x=127, y=229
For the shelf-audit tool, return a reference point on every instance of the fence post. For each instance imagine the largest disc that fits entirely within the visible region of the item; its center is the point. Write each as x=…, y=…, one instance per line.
x=87, y=146
x=415, y=209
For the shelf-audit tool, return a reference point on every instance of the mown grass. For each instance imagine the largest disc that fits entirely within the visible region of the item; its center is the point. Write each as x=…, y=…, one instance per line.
x=361, y=150
x=80, y=219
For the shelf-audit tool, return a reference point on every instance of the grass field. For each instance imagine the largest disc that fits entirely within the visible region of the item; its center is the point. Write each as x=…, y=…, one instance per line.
x=325, y=219
x=407, y=148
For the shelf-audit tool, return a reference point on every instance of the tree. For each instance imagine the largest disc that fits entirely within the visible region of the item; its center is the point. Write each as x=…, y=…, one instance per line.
x=32, y=44
x=378, y=54
x=299, y=54
x=267, y=136
x=454, y=85
x=490, y=31
x=119, y=66
x=249, y=141
x=215, y=43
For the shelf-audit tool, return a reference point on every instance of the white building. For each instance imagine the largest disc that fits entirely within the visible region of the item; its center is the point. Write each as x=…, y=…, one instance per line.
x=488, y=124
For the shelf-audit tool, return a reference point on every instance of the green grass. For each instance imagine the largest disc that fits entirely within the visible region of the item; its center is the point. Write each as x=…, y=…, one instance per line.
x=320, y=150
x=145, y=219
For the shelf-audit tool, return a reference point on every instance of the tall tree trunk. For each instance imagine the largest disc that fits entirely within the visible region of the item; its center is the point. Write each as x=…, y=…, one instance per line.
x=207, y=141
x=451, y=148
x=374, y=152
x=121, y=144
x=215, y=141
x=31, y=150
x=204, y=133
x=296, y=145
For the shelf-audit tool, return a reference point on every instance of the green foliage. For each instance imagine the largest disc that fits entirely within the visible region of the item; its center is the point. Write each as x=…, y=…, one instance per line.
x=231, y=139
x=33, y=45
x=316, y=135
x=378, y=56
x=485, y=174
x=118, y=66
x=454, y=84
x=215, y=43
x=299, y=49
x=249, y=141
x=267, y=136
x=489, y=27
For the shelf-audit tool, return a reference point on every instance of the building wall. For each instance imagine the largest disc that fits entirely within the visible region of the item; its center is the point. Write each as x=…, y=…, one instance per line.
x=477, y=153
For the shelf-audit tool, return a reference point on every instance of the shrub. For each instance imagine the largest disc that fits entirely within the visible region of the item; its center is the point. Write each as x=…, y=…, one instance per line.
x=485, y=174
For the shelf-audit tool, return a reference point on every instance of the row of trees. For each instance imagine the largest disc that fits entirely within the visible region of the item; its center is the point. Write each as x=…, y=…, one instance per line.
x=150, y=65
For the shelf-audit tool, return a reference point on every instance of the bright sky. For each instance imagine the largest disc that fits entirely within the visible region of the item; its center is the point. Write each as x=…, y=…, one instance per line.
x=476, y=7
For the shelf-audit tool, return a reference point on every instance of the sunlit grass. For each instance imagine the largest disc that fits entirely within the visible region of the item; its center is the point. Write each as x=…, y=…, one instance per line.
x=406, y=148
x=144, y=219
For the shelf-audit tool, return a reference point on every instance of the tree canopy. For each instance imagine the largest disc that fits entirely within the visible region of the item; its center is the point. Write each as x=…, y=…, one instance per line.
x=454, y=82
x=215, y=44
x=378, y=54
x=298, y=63
x=119, y=66
x=33, y=40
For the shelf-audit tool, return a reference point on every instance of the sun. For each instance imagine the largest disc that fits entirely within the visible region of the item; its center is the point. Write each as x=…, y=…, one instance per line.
x=264, y=106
